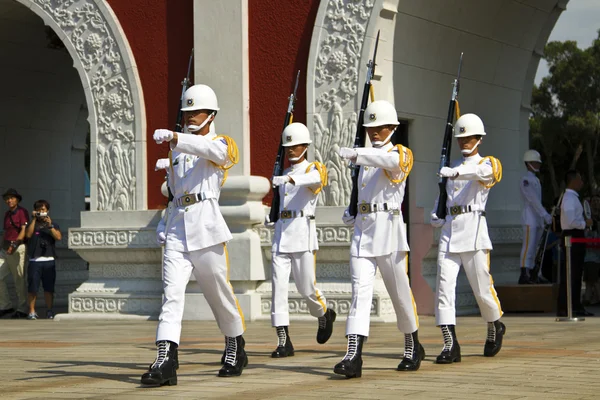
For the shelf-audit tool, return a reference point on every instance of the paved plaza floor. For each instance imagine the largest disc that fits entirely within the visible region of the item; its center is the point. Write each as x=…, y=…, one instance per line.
x=541, y=359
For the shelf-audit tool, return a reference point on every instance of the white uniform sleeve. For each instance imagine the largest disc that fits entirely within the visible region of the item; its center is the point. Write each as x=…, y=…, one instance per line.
x=372, y=157
x=162, y=224
x=475, y=172
x=529, y=194
x=311, y=179
x=196, y=145
x=571, y=215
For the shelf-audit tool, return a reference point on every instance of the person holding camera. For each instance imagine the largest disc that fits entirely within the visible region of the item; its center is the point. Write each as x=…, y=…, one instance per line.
x=42, y=234
x=12, y=256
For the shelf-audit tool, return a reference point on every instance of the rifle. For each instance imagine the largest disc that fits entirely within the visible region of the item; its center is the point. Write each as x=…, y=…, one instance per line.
x=447, y=144
x=179, y=121
x=359, y=139
x=278, y=168
x=185, y=85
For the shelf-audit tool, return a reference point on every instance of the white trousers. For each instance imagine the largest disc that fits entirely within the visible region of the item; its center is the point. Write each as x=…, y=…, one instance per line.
x=210, y=267
x=531, y=238
x=477, y=268
x=394, y=270
x=303, y=266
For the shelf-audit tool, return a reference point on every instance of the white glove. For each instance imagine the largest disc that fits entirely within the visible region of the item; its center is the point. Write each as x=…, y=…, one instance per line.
x=348, y=153
x=280, y=180
x=446, y=172
x=268, y=222
x=347, y=219
x=161, y=238
x=162, y=163
x=162, y=135
x=548, y=219
x=436, y=222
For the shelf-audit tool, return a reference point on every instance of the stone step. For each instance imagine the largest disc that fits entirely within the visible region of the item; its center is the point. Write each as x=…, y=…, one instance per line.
x=528, y=298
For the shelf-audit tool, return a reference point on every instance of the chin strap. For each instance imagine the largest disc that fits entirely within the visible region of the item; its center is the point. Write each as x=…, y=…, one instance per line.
x=196, y=128
x=294, y=159
x=470, y=151
x=386, y=141
x=532, y=168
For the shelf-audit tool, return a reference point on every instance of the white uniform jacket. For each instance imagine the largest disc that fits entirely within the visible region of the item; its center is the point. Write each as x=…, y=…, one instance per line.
x=533, y=213
x=571, y=211
x=197, y=168
x=382, y=180
x=299, y=234
x=468, y=231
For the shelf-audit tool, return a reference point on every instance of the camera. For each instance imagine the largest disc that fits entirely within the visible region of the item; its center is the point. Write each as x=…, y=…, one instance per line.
x=40, y=214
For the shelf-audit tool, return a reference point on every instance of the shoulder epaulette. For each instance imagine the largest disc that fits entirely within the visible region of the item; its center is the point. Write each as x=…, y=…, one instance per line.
x=496, y=170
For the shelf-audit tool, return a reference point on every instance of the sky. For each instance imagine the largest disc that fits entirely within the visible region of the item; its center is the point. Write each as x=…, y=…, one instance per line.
x=580, y=22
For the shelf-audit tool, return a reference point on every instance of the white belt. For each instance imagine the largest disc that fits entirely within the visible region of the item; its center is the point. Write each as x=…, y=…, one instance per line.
x=193, y=198
x=366, y=208
x=456, y=210
x=287, y=214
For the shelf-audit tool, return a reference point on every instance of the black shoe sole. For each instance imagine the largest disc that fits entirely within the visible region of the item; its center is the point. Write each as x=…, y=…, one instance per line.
x=454, y=360
x=274, y=355
x=151, y=382
x=341, y=371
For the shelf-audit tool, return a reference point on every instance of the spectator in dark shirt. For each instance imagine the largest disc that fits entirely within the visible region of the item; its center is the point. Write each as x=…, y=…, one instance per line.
x=12, y=256
x=42, y=234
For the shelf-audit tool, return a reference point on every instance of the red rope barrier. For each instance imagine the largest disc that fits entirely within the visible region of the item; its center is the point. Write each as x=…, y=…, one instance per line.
x=585, y=240
x=589, y=242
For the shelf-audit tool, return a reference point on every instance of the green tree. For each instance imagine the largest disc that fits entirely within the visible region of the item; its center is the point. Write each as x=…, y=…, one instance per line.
x=565, y=122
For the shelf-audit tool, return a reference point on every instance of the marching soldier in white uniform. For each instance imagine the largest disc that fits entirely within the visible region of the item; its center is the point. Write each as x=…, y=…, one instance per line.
x=295, y=240
x=379, y=239
x=195, y=236
x=534, y=215
x=464, y=240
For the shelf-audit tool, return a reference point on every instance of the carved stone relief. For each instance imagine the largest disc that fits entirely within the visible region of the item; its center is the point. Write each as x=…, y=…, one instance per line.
x=85, y=29
x=336, y=88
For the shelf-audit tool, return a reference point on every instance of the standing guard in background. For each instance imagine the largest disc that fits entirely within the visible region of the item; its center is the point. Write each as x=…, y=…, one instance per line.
x=196, y=236
x=573, y=224
x=295, y=239
x=379, y=239
x=465, y=240
x=534, y=215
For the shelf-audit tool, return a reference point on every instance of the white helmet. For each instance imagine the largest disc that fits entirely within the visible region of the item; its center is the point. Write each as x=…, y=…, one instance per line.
x=468, y=125
x=199, y=97
x=532, y=156
x=379, y=113
x=295, y=133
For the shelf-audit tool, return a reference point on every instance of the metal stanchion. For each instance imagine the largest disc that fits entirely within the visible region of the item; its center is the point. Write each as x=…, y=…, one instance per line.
x=569, y=317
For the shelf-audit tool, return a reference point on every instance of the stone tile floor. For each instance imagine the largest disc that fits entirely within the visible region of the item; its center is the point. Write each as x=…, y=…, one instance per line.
x=541, y=359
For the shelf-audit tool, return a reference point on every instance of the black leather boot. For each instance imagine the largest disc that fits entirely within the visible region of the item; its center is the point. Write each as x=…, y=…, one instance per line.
x=524, y=279
x=326, y=326
x=235, y=357
x=284, y=346
x=351, y=364
x=224, y=352
x=451, y=351
x=493, y=343
x=163, y=370
x=414, y=353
